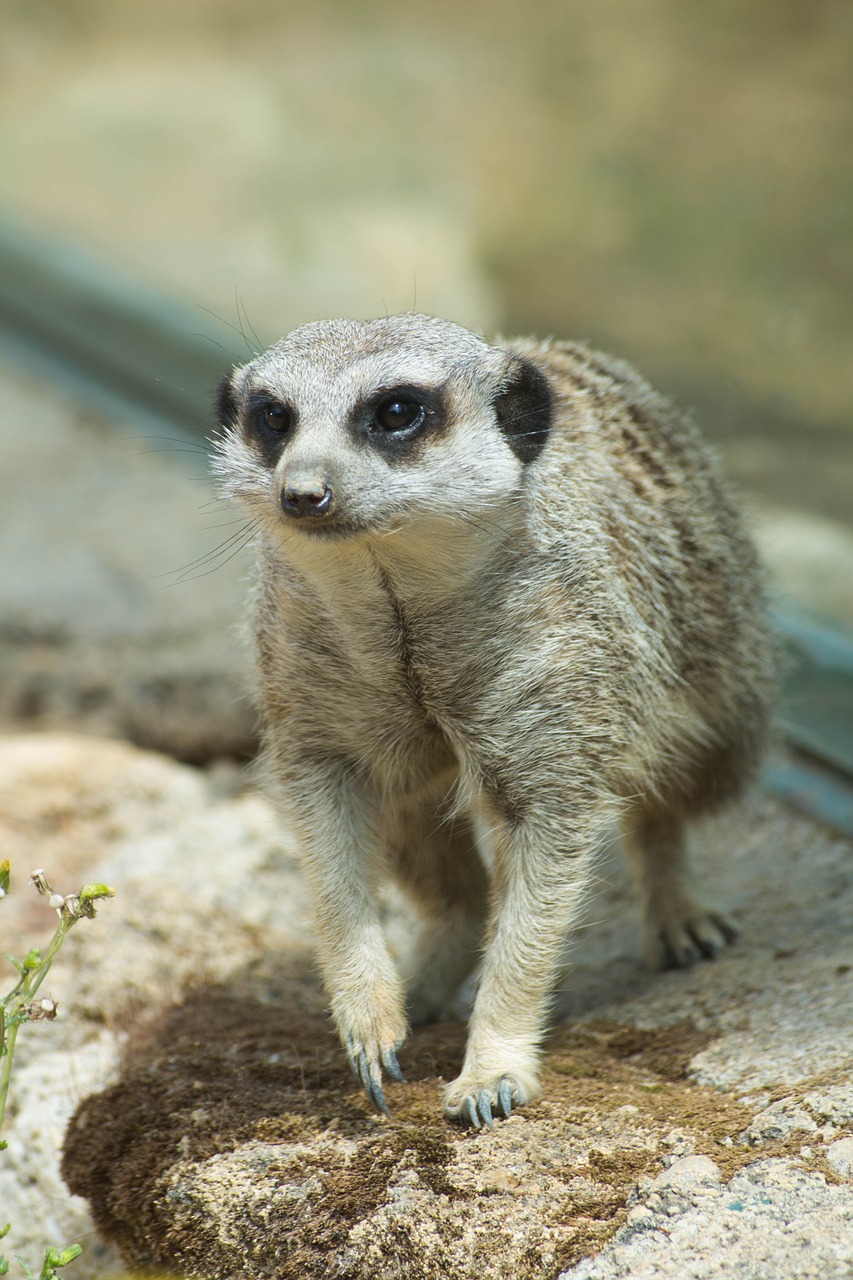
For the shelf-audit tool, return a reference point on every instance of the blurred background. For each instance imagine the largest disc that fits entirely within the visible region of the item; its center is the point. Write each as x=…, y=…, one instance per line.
x=671, y=182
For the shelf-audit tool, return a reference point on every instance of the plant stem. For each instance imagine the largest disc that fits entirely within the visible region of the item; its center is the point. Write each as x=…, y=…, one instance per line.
x=16, y=1003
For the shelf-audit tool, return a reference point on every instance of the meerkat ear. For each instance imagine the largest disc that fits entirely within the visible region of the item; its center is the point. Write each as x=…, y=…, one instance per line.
x=524, y=409
x=225, y=404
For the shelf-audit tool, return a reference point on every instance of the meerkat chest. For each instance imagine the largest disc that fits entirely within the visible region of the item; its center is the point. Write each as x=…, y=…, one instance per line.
x=354, y=670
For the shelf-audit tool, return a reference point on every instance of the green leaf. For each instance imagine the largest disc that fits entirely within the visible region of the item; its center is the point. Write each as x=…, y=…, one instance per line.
x=25, y=1268
x=32, y=959
x=91, y=892
x=5, y=875
x=61, y=1258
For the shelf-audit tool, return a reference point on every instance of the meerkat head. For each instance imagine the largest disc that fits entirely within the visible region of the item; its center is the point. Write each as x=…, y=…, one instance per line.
x=347, y=427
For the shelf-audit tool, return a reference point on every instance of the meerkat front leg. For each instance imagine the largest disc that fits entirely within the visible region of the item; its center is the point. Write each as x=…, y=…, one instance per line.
x=336, y=823
x=541, y=871
x=677, y=928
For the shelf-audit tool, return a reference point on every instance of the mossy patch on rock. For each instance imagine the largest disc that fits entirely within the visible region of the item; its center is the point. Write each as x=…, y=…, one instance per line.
x=236, y=1143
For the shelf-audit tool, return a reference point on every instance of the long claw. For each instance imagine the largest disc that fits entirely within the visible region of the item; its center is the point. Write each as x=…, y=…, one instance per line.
x=471, y=1113
x=484, y=1106
x=726, y=928
x=352, y=1058
x=505, y=1098
x=369, y=1075
x=392, y=1066
x=377, y=1097
x=707, y=946
x=373, y=1086
x=364, y=1072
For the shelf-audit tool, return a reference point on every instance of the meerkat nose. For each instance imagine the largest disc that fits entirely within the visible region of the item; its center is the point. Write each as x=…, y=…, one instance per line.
x=307, y=495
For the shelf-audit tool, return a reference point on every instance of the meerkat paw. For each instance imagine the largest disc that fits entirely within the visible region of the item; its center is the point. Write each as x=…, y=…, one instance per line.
x=368, y=1061
x=478, y=1102
x=372, y=1027
x=674, y=939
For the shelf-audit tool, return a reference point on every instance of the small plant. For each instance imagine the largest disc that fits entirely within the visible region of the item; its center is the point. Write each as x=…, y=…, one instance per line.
x=21, y=1006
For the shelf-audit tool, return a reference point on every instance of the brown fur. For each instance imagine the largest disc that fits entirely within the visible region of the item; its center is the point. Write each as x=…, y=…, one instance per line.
x=491, y=645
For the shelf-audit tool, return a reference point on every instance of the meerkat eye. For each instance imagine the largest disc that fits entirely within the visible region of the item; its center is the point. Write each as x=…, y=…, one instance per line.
x=398, y=413
x=275, y=417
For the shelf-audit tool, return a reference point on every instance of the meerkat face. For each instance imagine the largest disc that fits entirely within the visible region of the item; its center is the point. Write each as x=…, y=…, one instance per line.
x=360, y=427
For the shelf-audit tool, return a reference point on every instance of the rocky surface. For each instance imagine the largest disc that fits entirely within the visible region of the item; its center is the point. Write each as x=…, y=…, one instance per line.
x=693, y=1124
x=190, y=856
x=772, y=1219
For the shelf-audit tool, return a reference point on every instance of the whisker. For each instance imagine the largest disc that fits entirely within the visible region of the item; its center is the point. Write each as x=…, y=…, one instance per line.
x=240, y=323
x=210, y=555
x=222, y=503
x=207, y=338
x=225, y=524
x=228, y=324
x=171, y=439
x=179, y=445
x=150, y=453
x=241, y=303
x=207, y=572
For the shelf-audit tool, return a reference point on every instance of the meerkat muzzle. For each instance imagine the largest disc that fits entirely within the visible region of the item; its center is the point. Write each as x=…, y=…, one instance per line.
x=307, y=496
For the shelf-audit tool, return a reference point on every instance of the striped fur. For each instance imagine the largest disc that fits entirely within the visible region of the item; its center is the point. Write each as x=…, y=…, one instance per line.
x=483, y=655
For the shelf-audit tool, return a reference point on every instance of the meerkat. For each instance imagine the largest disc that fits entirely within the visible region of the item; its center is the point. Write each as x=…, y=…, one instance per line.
x=504, y=599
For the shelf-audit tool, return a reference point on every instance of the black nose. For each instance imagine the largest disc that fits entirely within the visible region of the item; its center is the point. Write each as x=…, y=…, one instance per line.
x=307, y=496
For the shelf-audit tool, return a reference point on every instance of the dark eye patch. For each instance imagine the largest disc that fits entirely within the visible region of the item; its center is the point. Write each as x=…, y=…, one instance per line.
x=268, y=424
x=397, y=420
x=398, y=413
x=274, y=417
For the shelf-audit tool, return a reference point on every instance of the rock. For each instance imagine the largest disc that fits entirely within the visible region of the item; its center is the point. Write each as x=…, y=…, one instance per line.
x=252, y=1141
x=687, y=1180
x=840, y=1156
x=771, y=1219
x=776, y=1007
x=199, y=896
x=217, y=1129
x=641, y=1218
x=112, y=616
x=832, y=1102
x=688, y=1173
x=779, y=1120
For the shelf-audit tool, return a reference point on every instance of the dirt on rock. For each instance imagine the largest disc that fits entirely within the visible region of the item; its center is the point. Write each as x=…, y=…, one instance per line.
x=211, y=1124
x=236, y=1131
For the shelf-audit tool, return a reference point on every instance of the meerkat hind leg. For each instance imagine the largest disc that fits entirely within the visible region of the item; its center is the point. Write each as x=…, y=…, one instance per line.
x=441, y=870
x=677, y=929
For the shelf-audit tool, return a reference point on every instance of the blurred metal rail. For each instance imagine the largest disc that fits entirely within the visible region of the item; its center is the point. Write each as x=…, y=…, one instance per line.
x=121, y=349
x=105, y=335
